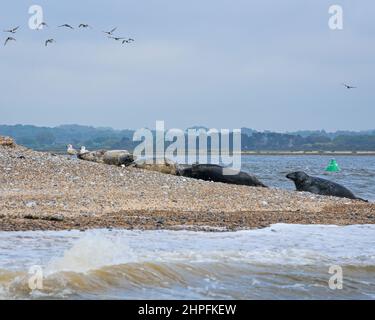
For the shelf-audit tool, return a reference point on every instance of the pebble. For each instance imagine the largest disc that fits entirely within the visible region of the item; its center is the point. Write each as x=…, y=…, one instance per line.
x=31, y=204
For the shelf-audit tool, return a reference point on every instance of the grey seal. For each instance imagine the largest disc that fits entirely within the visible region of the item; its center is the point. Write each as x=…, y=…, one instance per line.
x=304, y=182
x=216, y=173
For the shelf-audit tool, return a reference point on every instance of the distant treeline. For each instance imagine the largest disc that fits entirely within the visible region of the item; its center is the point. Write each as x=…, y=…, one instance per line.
x=56, y=139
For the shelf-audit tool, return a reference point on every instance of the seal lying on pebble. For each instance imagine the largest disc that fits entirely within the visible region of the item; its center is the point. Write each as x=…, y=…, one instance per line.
x=112, y=157
x=320, y=186
x=216, y=173
x=93, y=156
x=162, y=165
x=118, y=158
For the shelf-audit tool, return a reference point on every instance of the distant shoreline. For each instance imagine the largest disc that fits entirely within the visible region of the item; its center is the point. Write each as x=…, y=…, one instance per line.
x=309, y=153
x=271, y=153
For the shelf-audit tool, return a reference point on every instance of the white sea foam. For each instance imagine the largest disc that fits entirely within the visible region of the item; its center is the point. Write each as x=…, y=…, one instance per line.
x=93, y=250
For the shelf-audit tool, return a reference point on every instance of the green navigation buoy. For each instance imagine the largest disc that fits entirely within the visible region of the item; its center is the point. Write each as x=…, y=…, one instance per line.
x=333, y=166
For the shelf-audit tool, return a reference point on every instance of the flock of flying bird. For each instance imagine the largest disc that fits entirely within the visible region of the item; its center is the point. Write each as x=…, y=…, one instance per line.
x=110, y=34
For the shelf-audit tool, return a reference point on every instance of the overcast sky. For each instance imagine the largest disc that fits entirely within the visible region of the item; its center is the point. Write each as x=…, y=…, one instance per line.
x=268, y=65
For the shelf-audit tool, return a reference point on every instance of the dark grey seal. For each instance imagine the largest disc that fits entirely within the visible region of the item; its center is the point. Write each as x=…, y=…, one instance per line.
x=216, y=173
x=320, y=186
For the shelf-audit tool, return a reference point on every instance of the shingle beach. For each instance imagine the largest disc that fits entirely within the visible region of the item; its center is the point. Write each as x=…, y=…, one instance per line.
x=43, y=191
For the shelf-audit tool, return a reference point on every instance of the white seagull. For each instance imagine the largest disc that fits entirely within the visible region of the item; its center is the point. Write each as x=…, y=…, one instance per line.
x=83, y=150
x=70, y=150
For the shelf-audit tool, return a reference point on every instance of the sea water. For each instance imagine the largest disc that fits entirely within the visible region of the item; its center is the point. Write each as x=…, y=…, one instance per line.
x=279, y=262
x=357, y=172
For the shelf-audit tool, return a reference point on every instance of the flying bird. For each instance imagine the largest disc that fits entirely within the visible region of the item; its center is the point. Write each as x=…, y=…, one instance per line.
x=9, y=39
x=84, y=25
x=116, y=38
x=13, y=30
x=348, y=87
x=66, y=26
x=127, y=41
x=110, y=32
x=49, y=41
x=42, y=24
